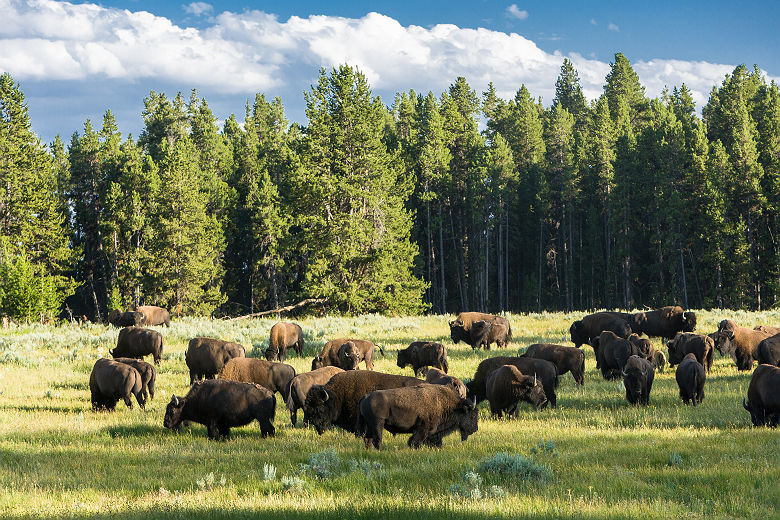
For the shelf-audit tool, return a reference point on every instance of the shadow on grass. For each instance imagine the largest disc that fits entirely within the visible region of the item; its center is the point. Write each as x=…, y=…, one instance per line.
x=68, y=385
x=46, y=408
x=135, y=430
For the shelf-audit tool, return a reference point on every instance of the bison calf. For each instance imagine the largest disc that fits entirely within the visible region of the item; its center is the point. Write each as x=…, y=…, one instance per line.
x=111, y=381
x=690, y=376
x=420, y=354
x=507, y=386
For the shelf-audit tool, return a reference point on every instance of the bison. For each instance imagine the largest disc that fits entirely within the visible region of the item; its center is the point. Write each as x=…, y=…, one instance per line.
x=154, y=315
x=485, y=332
x=329, y=357
x=665, y=322
x=506, y=386
x=544, y=371
x=768, y=329
x=300, y=385
x=584, y=330
x=421, y=354
x=147, y=372
x=428, y=412
x=460, y=328
x=111, y=381
x=220, y=405
x=686, y=342
x=273, y=376
x=137, y=342
x=118, y=318
x=763, y=398
x=349, y=356
x=690, y=376
x=565, y=359
x=283, y=336
x=768, y=351
x=638, y=375
x=437, y=377
x=612, y=352
x=205, y=357
x=739, y=342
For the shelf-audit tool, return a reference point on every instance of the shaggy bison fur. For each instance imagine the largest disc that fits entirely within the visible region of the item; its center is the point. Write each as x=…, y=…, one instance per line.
x=768, y=351
x=205, y=357
x=565, y=359
x=460, y=328
x=111, y=381
x=273, y=376
x=584, y=330
x=437, y=377
x=154, y=315
x=147, y=372
x=329, y=357
x=506, y=386
x=421, y=354
x=690, y=376
x=739, y=342
x=137, y=342
x=638, y=375
x=688, y=342
x=665, y=322
x=300, y=385
x=763, y=399
x=283, y=336
x=544, y=371
x=118, y=318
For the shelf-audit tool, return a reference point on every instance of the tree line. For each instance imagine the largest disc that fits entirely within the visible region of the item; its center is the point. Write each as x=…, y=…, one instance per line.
x=444, y=203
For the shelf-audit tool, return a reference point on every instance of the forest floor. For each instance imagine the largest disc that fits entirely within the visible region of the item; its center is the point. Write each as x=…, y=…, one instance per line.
x=594, y=456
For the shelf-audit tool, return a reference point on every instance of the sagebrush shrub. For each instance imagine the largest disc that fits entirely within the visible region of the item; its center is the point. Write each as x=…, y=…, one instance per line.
x=514, y=465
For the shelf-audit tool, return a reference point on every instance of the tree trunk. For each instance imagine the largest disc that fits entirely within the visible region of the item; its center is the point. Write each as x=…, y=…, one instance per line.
x=539, y=281
x=443, y=288
x=682, y=273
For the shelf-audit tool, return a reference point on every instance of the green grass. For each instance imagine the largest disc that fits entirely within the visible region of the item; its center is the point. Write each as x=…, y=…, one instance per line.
x=606, y=459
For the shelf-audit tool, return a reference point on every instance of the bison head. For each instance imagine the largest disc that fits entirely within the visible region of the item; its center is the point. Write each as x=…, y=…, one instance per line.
x=317, y=363
x=689, y=321
x=271, y=353
x=531, y=391
x=319, y=408
x=757, y=415
x=659, y=361
x=349, y=356
x=113, y=316
x=403, y=358
x=469, y=418
x=458, y=332
x=173, y=413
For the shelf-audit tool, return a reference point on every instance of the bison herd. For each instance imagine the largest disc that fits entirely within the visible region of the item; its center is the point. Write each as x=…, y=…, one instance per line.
x=238, y=390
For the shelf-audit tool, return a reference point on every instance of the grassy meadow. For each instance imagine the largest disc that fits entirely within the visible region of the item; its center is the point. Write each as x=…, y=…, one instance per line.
x=599, y=456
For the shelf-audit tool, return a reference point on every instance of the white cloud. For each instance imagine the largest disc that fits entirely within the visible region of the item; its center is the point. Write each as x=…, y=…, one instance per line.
x=593, y=21
x=515, y=12
x=198, y=8
x=613, y=27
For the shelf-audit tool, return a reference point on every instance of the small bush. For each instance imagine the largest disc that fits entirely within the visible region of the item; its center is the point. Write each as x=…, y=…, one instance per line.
x=293, y=483
x=514, y=465
x=325, y=464
x=209, y=481
x=471, y=488
x=269, y=472
x=368, y=468
x=544, y=447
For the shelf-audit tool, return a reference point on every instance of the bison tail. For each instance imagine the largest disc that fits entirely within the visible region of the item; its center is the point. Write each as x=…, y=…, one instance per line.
x=509, y=334
x=582, y=364
x=381, y=350
x=360, y=424
x=273, y=408
x=290, y=402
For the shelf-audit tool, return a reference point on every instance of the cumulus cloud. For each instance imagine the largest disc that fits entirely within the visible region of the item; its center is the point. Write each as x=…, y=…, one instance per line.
x=613, y=27
x=198, y=8
x=515, y=12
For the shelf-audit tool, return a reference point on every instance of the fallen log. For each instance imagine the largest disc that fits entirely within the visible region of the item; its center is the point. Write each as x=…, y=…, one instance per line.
x=280, y=309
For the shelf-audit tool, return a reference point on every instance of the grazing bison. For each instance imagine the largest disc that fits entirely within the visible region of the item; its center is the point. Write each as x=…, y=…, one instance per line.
x=506, y=386
x=765, y=328
x=428, y=412
x=665, y=322
x=739, y=342
x=584, y=330
x=565, y=359
x=485, y=332
x=690, y=376
x=219, y=405
x=273, y=376
x=460, y=328
x=638, y=375
x=137, y=342
x=768, y=351
x=349, y=356
x=118, y=318
x=283, y=336
x=300, y=385
x=420, y=354
x=612, y=352
x=111, y=381
x=688, y=342
x=336, y=402
x=329, y=357
x=154, y=315
x=205, y=357
x=544, y=371
x=763, y=399
x=437, y=377
x=147, y=372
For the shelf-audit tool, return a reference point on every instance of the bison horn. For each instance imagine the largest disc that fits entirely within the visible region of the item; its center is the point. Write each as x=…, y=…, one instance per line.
x=624, y=373
x=744, y=405
x=534, y=379
x=175, y=400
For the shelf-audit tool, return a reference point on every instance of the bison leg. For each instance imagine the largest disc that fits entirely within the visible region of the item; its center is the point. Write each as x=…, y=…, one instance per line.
x=294, y=416
x=213, y=430
x=266, y=427
x=444, y=366
x=419, y=436
x=224, y=431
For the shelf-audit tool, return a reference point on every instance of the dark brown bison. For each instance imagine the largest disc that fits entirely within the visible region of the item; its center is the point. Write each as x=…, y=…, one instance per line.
x=336, y=402
x=739, y=342
x=421, y=354
x=544, y=371
x=612, y=352
x=768, y=351
x=428, y=412
x=638, y=375
x=118, y=318
x=271, y=375
x=460, y=328
x=300, y=385
x=329, y=357
x=154, y=315
x=136, y=342
x=584, y=330
x=665, y=322
x=147, y=372
x=349, y=356
x=690, y=376
x=686, y=342
x=437, y=377
x=506, y=386
x=647, y=351
x=220, y=405
x=763, y=399
x=111, y=381
x=205, y=357
x=565, y=359
x=283, y=336
x=485, y=332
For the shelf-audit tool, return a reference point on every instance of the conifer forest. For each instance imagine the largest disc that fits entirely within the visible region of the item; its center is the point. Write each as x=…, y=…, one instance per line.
x=430, y=202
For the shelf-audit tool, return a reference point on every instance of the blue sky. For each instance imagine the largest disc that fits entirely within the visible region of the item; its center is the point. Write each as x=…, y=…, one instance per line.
x=75, y=60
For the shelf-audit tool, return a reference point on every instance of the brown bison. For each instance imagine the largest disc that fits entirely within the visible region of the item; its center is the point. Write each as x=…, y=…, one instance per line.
x=428, y=412
x=300, y=385
x=690, y=376
x=329, y=357
x=111, y=381
x=485, y=332
x=147, y=372
x=685, y=342
x=612, y=352
x=154, y=315
x=739, y=342
x=461, y=329
x=137, y=342
x=765, y=328
x=506, y=386
x=768, y=351
x=283, y=336
x=220, y=405
x=665, y=322
x=763, y=398
x=638, y=375
x=584, y=330
x=437, y=377
x=336, y=402
x=273, y=376
x=421, y=354
x=647, y=351
x=205, y=357
x=544, y=371
x=118, y=318
x=565, y=359
x=349, y=356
